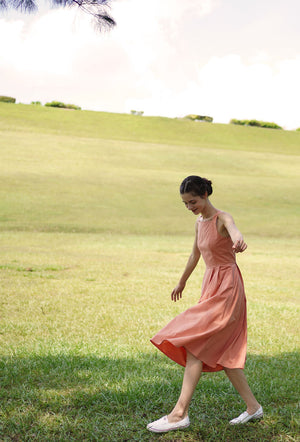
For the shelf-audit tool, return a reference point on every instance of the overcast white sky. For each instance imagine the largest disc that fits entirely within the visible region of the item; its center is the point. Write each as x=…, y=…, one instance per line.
x=223, y=58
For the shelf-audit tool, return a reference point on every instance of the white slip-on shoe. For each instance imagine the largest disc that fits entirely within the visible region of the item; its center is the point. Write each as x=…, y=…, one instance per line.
x=162, y=425
x=245, y=417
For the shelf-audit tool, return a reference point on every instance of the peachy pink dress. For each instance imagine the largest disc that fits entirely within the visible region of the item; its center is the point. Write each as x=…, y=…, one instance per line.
x=215, y=329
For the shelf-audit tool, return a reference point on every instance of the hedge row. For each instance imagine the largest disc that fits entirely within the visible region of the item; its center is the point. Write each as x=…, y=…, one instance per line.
x=194, y=117
x=5, y=99
x=62, y=105
x=255, y=123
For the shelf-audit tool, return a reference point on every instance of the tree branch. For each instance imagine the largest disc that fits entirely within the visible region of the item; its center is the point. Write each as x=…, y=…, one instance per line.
x=97, y=8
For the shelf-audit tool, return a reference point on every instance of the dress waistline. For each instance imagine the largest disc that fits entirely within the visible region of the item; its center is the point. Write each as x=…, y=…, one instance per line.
x=234, y=264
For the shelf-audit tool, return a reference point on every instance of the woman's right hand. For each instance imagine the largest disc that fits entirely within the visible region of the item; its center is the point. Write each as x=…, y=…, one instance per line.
x=177, y=292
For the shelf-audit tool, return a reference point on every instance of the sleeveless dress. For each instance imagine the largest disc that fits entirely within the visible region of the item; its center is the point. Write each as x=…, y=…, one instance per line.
x=215, y=329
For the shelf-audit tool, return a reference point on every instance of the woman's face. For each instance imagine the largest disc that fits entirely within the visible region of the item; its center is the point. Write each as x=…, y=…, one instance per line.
x=194, y=203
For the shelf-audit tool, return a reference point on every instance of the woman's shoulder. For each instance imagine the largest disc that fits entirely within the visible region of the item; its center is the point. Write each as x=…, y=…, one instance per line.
x=224, y=216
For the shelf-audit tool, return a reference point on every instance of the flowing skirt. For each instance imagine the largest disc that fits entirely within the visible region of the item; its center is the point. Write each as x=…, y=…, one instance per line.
x=215, y=329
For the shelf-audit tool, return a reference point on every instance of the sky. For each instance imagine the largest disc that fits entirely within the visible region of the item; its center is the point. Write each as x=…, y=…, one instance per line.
x=222, y=58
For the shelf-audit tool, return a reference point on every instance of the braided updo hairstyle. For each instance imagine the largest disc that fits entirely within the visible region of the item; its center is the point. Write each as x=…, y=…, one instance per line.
x=196, y=185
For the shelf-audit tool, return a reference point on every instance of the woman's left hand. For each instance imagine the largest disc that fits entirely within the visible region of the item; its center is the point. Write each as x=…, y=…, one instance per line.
x=239, y=245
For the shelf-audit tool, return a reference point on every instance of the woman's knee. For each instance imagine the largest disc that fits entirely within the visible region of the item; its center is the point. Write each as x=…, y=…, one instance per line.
x=191, y=358
x=232, y=369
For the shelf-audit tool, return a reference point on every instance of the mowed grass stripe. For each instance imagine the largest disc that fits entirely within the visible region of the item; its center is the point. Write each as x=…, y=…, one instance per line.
x=63, y=182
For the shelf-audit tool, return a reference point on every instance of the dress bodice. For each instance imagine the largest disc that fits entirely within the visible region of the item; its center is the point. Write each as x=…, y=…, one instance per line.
x=215, y=249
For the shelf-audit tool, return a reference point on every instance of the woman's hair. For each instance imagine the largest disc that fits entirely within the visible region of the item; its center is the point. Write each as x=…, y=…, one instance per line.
x=196, y=185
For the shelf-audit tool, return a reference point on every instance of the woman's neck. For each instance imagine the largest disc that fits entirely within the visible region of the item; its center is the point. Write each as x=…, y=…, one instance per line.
x=208, y=211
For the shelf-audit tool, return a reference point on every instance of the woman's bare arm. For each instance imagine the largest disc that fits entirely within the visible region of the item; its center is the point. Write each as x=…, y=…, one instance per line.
x=190, y=266
x=227, y=221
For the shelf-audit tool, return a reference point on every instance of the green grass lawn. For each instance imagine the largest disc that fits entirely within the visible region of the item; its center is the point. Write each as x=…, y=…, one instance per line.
x=94, y=237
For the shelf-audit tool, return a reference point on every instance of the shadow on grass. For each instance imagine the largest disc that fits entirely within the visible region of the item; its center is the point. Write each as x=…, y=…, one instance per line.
x=70, y=397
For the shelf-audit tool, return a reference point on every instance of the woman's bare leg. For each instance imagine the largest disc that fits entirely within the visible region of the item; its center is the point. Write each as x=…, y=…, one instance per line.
x=238, y=379
x=192, y=373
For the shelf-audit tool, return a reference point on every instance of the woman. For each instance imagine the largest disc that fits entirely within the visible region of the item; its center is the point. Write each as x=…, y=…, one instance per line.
x=212, y=335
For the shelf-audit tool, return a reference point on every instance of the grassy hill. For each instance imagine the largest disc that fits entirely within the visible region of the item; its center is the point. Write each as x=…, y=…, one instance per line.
x=94, y=236
x=158, y=130
x=88, y=171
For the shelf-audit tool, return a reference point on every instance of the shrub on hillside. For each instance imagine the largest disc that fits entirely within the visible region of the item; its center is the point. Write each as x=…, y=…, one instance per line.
x=36, y=103
x=194, y=117
x=134, y=112
x=298, y=129
x=73, y=106
x=5, y=99
x=238, y=122
x=255, y=123
x=62, y=105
